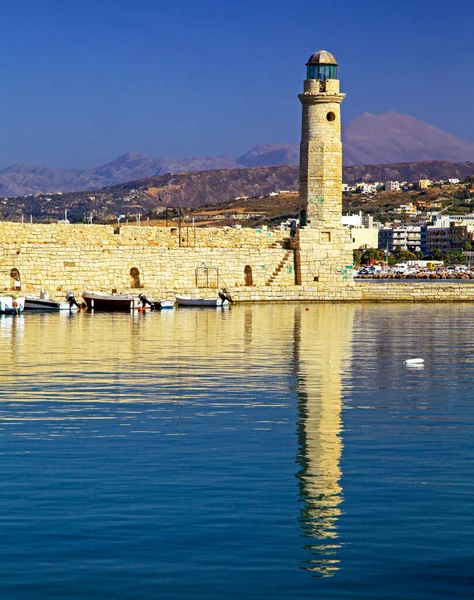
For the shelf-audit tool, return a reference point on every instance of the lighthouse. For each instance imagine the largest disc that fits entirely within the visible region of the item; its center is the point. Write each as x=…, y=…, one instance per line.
x=324, y=254
x=321, y=146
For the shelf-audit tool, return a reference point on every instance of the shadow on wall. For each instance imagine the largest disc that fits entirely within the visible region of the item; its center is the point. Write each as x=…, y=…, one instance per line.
x=135, y=278
x=248, y=275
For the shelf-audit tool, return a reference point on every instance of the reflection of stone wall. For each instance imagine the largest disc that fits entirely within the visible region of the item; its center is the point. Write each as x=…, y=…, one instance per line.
x=323, y=338
x=223, y=353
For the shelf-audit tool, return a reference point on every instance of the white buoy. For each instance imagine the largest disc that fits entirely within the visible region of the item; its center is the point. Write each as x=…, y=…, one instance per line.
x=414, y=361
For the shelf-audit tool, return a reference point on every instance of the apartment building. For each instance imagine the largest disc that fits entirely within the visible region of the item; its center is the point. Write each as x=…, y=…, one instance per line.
x=405, y=237
x=449, y=238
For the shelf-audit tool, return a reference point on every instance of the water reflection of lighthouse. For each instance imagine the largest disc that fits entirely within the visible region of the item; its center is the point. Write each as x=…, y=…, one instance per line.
x=322, y=354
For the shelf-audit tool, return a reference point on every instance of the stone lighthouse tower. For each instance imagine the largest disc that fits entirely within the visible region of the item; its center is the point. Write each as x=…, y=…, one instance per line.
x=323, y=248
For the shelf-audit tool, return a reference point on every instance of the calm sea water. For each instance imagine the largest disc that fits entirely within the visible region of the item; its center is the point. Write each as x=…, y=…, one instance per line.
x=264, y=452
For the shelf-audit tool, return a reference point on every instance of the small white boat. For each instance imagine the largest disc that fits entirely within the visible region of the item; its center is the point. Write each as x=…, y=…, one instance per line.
x=203, y=302
x=10, y=305
x=414, y=361
x=166, y=304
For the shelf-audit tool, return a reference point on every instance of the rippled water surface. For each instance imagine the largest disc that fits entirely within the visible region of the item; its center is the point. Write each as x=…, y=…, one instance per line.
x=258, y=452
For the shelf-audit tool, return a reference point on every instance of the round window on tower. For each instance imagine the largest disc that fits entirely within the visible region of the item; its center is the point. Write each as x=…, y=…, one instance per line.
x=331, y=116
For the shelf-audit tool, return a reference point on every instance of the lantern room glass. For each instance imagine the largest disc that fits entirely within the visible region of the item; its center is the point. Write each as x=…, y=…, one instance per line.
x=321, y=72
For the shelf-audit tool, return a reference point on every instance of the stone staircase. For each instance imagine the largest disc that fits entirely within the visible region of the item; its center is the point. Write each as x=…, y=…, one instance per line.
x=282, y=264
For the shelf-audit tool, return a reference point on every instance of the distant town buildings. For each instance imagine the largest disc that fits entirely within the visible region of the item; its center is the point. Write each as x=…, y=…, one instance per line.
x=364, y=232
x=392, y=186
x=422, y=184
x=407, y=209
x=407, y=237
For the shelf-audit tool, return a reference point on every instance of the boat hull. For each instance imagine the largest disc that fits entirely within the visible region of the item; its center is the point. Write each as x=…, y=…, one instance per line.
x=166, y=304
x=11, y=306
x=43, y=305
x=110, y=302
x=202, y=302
x=40, y=304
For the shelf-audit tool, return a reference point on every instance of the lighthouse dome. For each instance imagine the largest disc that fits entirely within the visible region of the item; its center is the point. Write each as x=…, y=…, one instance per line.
x=322, y=57
x=321, y=65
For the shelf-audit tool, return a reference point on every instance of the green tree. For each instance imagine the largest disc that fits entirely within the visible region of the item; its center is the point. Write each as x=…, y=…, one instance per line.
x=455, y=256
x=391, y=260
x=406, y=255
x=437, y=254
x=356, y=256
x=372, y=254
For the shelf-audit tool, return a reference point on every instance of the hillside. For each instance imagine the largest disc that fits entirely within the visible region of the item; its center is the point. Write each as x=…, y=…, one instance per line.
x=150, y=196
x=369, y=140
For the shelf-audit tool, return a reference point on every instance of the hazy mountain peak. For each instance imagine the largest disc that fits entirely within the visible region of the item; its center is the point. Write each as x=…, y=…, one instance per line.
x=391, y=137
x=370, y=139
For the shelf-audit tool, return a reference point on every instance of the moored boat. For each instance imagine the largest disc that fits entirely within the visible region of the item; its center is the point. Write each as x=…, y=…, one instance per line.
x=11, y=305
x=44, y=303
x=203, y=302
x=166, y=304
x=33, y=303
x=110, y=302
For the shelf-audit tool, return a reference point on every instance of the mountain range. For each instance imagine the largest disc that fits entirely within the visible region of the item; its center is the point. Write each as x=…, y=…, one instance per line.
x=368, y=140
x=151, y=196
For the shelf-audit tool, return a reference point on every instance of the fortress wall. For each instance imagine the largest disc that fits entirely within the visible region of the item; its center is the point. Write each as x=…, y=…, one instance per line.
x=131, y=235
x=60, y=258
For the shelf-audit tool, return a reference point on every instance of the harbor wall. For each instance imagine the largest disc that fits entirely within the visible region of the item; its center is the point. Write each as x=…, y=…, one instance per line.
x=256, y=266
x=152, y=260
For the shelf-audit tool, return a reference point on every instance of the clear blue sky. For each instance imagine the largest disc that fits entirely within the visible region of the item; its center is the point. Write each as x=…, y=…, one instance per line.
x=83, y=81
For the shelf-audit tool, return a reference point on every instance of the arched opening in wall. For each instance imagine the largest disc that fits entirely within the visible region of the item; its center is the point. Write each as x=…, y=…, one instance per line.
x=248, y=275
x=15, y=280
x=135, y=278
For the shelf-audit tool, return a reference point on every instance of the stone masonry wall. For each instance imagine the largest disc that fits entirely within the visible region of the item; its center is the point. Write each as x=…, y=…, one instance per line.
x=60, y=258
x=324, y=257
x=321, y=153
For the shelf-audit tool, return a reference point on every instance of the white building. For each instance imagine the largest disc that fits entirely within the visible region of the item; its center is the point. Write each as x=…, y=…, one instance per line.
x=363, y=233
x=392, y=186
x=366, y=188
x=349, y=187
